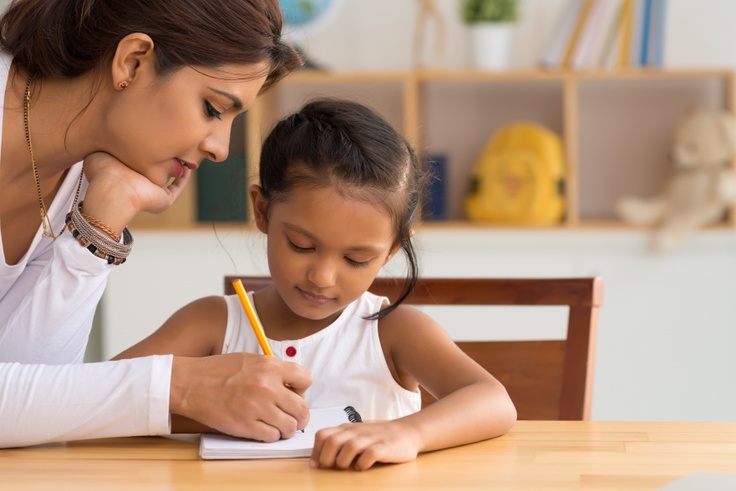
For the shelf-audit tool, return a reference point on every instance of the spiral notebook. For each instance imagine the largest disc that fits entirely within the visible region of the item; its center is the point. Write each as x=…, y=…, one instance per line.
x=212, y=446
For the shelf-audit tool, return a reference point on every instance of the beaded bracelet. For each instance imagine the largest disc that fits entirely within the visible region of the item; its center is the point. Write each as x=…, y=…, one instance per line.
x=115, y=261
x=98, y=243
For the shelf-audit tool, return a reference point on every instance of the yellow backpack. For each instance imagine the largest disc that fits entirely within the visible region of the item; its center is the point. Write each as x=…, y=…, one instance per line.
x=519, y=178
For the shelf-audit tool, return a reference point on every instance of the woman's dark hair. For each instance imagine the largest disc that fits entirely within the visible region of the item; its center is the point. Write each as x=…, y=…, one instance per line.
x=346, y=145
x=59, y=39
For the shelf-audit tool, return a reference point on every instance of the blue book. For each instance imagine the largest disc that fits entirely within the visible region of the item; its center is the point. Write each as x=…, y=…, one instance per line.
x=435, y=206
x=655, y=51
x=645, y=26
x=637, y=13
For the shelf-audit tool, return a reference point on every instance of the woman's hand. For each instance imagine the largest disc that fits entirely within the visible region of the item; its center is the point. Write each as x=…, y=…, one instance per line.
x=117, y=193
x=241, y=394
x=360, y=445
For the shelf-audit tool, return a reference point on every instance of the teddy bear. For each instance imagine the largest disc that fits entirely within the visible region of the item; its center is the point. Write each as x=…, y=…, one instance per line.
x=702, y=184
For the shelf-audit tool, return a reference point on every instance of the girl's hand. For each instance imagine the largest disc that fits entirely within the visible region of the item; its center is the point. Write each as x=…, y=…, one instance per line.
x=360, y=445
x=117, y=193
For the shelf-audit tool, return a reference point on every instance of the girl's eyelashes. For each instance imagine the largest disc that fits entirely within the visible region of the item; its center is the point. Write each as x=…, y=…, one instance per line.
x=211, y=111
x=351, y=262
x=297, y=248
x=357, y=264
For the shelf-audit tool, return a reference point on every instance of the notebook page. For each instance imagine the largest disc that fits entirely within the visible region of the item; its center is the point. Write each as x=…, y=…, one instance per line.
x=213, y=446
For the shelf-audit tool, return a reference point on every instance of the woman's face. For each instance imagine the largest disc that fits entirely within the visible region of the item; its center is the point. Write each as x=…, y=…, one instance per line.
x=158, y=125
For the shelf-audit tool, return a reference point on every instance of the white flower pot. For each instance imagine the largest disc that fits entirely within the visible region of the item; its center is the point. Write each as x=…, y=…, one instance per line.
x=490, y=43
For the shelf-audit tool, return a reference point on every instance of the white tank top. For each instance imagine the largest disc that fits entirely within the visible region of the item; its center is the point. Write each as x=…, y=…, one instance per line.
x=345, y=358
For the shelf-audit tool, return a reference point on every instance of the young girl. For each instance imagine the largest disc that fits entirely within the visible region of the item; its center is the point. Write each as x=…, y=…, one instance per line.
x=339, y=195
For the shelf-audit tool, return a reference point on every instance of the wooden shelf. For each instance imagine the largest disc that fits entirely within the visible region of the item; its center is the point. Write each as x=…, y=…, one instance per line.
x=616, y=125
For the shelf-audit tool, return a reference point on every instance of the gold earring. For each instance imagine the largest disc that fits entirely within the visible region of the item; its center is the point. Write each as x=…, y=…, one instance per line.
x=123, y=84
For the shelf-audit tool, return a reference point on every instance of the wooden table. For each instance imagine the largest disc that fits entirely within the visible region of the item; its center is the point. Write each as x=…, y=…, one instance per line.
x=535, y=455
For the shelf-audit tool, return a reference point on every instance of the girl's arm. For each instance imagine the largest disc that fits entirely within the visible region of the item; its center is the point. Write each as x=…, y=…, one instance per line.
x=197, y=329
x=472, y=405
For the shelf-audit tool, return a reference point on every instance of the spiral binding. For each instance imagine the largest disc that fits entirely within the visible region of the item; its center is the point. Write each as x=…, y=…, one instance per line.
x=353, y=415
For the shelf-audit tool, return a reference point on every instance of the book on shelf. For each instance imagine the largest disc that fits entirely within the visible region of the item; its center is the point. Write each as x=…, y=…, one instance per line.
x=608, y=34
x=650, y=35
x=631, y=54
x=221, y=190
x=646, y=23
x=602, y=24
x=587, y=34
x=616, y=37
x=554, y=51
x=435, y=205
x=213, y=446
x=655, y=46
x=577, y=31
x=630, y=32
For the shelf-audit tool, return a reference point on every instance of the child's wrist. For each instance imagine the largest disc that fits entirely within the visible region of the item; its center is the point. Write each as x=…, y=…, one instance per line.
x=414, y=431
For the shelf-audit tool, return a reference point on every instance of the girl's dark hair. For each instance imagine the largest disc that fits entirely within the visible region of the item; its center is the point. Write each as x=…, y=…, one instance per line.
x=59, y=39
x=343, y=144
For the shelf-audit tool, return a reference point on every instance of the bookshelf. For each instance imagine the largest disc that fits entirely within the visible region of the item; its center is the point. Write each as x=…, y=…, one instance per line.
x=616, y=126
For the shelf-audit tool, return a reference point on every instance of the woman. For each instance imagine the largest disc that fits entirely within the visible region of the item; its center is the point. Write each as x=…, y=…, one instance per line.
x=108, y=109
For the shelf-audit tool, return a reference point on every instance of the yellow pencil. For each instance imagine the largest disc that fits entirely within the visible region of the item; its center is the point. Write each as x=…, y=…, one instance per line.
x=257, y=327
x=251, y=313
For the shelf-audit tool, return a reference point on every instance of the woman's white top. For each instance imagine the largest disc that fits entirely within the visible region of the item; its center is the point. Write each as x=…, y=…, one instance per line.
x=47, y=302
x=345, y=358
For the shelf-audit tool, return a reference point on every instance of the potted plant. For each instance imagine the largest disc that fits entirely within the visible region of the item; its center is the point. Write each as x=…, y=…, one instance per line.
x=490, y=23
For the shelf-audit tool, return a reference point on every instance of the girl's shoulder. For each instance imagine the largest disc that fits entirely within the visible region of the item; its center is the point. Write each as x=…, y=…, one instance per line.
x=412, y=342
x=193, y=330
x=204, y=307
x=407, y=321
x=202, y=322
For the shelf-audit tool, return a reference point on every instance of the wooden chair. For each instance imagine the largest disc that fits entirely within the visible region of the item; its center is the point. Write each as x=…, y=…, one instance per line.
x=547, y=380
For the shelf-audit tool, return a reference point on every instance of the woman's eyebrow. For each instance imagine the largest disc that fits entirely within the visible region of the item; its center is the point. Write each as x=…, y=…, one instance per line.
x=237, y=103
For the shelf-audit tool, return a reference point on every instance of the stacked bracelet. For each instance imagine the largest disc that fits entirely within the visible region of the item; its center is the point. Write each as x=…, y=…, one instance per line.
x=98, y=243
x=98, y=224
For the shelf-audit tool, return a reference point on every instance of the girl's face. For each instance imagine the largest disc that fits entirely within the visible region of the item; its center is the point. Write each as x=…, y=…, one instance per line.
x=324, y=249
x=158, y=125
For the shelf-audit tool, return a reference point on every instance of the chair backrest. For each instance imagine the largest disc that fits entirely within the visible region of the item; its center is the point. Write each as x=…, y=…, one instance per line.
x=547, y=380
